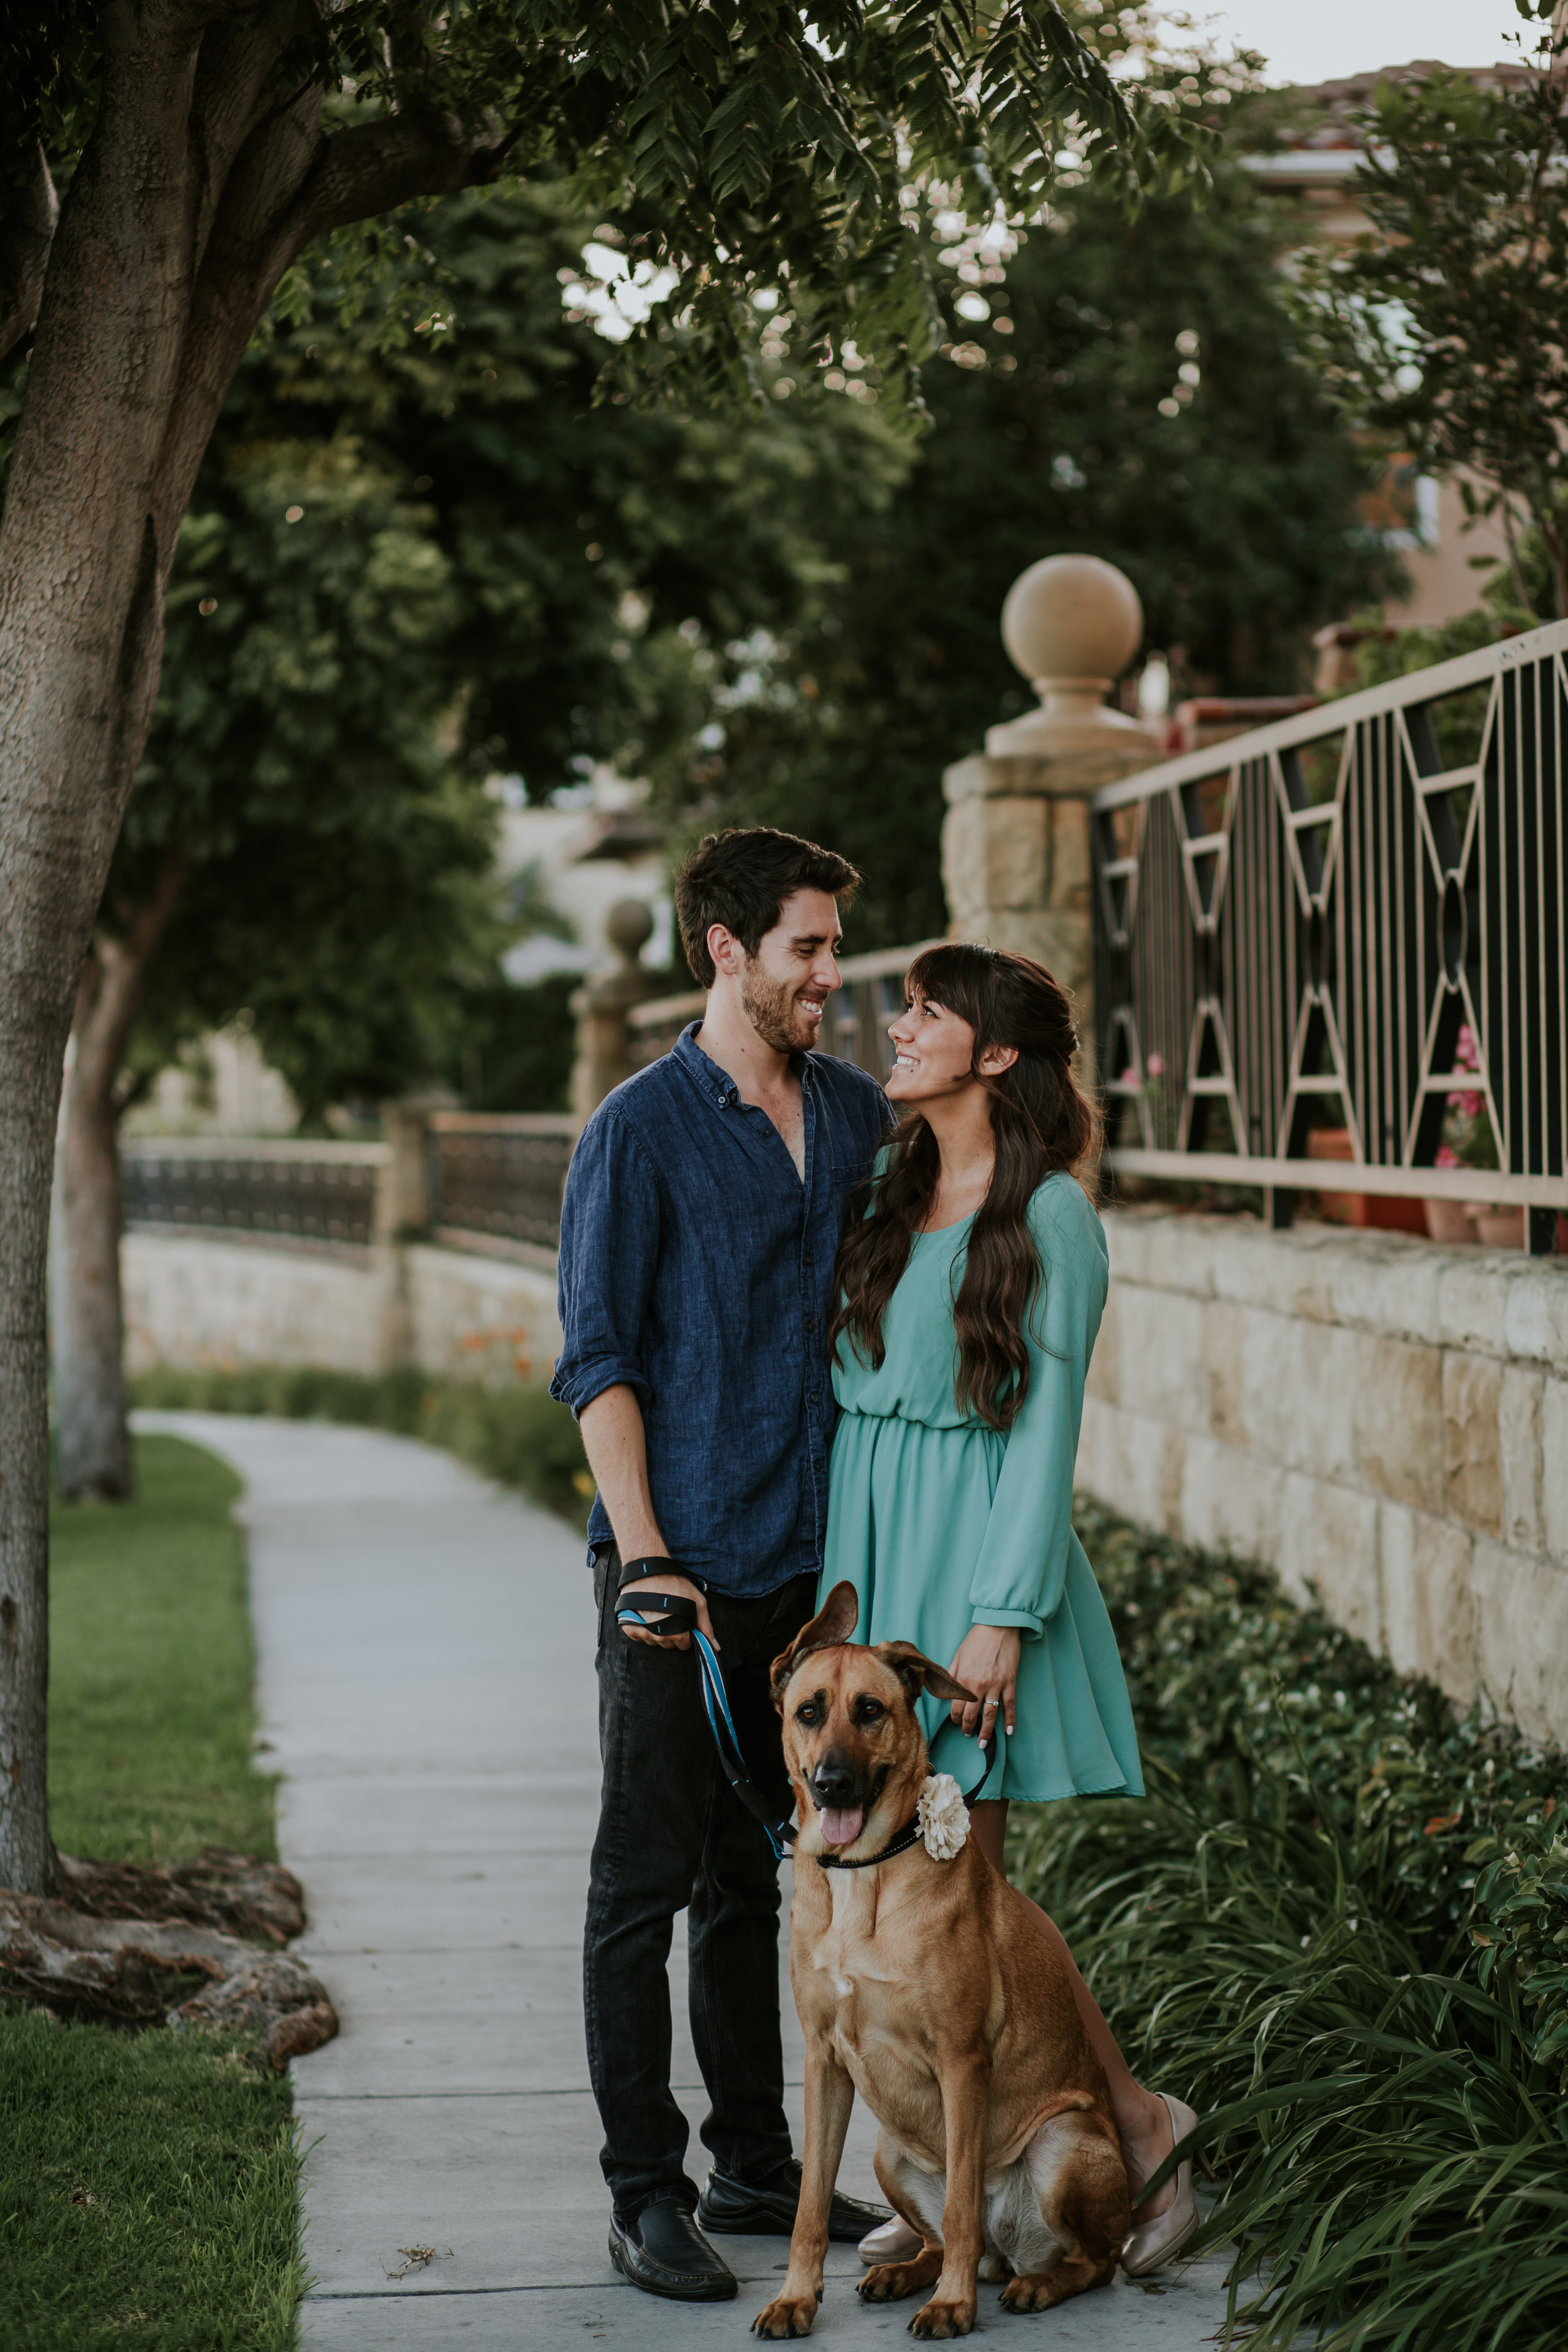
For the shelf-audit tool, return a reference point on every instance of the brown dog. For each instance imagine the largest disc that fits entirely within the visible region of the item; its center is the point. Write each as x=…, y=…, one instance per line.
x=924, y=1986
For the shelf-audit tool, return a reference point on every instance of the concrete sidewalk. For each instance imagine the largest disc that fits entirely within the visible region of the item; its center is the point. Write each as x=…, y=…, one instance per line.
x=426, y=1665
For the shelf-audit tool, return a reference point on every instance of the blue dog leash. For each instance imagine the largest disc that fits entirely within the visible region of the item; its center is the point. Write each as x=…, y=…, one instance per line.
x=675, y=1614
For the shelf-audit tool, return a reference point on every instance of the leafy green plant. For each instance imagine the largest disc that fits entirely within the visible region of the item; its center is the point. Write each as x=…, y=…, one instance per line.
x=1291, y=1930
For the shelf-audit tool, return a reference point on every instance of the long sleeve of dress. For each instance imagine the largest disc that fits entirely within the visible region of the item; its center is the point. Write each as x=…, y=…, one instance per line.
x=1023, y=1562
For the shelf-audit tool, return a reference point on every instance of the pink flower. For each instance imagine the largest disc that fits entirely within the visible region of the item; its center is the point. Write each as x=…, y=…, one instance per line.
x=1155, y=1065
x=1468, y=1105
x=1445, y=1159
x=1130, y=1076
x=1466, y=1054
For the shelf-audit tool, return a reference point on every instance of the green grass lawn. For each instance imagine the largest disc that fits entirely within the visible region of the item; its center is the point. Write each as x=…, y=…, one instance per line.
x=149, y=2190
x=152, y=1720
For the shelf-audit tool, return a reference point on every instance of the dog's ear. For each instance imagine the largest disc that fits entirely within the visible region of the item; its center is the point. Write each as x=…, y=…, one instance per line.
x=834, y=1623
x=918, y=1673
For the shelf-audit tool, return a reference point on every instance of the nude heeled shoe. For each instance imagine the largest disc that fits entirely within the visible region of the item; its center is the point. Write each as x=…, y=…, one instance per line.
x=891, y=2241
x=1162, y=2239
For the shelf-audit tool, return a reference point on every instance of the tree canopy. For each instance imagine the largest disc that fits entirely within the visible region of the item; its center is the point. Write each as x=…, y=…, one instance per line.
x=1443, y=333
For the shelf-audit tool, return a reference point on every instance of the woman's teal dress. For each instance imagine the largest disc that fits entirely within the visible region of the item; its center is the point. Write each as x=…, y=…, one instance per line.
x=942, y=1524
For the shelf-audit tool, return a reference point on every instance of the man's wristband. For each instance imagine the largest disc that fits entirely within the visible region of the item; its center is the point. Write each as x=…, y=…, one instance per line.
x=635, y=1571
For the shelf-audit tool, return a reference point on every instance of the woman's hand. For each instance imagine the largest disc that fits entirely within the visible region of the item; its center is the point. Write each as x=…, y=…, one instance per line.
x=986, y=1663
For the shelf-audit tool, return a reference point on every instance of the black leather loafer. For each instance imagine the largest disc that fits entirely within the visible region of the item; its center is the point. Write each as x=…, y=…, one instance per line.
x=665, y=2252
x=729, y=2207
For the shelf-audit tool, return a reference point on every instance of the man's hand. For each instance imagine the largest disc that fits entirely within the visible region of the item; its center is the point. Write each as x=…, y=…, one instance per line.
x=986, y=1663
x=682, y=1584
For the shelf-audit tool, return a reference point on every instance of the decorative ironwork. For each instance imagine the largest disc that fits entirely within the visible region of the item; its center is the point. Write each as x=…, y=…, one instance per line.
x=1293, y=927
x=854, y=1027
x=306, y=1192
x=500, y=1175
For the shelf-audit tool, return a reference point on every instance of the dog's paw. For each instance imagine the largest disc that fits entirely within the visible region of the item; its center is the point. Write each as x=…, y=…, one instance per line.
x=1029, y=2295
x=890, y=2282
x=786, y=2317
x=940, y=2320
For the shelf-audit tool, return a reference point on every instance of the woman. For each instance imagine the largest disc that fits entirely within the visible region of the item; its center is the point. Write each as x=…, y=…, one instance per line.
x=970, y=1293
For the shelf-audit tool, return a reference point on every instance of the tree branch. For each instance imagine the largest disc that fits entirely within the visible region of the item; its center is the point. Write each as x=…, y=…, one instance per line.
x=110, y=986
x=25, y=253
x=288, y=186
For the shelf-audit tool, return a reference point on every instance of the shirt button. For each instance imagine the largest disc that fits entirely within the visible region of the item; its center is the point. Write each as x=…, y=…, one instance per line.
x=812, y=1396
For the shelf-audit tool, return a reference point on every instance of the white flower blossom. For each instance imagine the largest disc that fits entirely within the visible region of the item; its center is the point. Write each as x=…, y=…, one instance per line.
x=943, y=1817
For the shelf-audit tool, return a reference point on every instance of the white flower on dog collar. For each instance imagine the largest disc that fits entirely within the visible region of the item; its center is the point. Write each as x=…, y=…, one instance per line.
x=942, y=1816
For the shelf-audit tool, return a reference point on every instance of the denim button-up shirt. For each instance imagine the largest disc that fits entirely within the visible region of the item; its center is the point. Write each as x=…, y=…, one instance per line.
x=697, y=1268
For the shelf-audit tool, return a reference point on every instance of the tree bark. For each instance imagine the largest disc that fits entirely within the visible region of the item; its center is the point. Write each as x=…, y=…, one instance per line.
x=92, y=1441
x=200, y=184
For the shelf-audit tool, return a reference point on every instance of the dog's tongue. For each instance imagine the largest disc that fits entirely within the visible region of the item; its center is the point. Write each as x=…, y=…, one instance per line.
x=840, y=1826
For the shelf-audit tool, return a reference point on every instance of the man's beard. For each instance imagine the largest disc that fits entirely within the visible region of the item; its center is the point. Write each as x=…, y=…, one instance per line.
x=770, y=1006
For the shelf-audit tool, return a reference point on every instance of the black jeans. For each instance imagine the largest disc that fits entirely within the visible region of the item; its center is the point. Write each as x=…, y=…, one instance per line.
x=673, y=1834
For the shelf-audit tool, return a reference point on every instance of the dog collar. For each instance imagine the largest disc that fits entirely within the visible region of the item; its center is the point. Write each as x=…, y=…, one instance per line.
x=909, y=1835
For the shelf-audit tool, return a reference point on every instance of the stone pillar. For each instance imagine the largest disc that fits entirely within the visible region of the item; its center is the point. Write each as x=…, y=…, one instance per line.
x=601, y=1005
x=403, y=1191
x=1015, y=841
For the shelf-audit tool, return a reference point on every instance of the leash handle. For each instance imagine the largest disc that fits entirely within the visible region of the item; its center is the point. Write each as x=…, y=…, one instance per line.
x=673, y=1613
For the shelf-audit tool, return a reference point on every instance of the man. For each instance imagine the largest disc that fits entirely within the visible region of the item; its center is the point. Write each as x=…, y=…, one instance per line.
x=697, y=1235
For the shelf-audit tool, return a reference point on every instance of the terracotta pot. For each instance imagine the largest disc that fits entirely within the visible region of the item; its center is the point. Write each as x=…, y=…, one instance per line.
x=1500, y=1228
x=1449, y=1221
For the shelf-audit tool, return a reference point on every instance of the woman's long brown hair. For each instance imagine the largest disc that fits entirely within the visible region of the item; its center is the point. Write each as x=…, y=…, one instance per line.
x=1041, y=1120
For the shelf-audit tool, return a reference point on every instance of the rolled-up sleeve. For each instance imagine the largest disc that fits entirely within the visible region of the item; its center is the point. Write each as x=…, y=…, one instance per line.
x=609, y=1252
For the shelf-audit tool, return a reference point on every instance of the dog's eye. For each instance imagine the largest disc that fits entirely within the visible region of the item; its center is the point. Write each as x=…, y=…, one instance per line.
x=869, y=1710
x=809, y=1713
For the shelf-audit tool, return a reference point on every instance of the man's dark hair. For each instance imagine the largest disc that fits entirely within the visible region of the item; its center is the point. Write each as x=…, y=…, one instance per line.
x=741, y=878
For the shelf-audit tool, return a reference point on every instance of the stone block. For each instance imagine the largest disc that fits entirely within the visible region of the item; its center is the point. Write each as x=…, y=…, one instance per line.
x=1224, y=1369
x=1472, y=1392
x=1428, y=1613
x=1179, y=1254
x=1127, y=1233
x=1472, y=1295
x=196, y=1305
x=1104, y=1365
x=1554, y=1470
x=1230, y=1501
x=1385, y=1283
x=1397, y=1425
x=1522, y=1638
x=487, y=1320
x=1257, y=1267
x=1072, y=865
x=1519, y=1453
x=1295, y=1400
x=995, y=855
x=1535, y=1312
x=1161, y=1359
x=1131, y=1464
x=1328, y=1545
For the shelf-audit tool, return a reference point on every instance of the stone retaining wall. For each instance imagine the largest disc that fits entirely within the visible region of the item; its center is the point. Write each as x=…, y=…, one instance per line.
x=1379, y=1419
x=198, y=1303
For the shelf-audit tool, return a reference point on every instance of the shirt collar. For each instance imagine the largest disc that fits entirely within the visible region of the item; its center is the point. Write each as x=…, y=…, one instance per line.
x=716, y=1083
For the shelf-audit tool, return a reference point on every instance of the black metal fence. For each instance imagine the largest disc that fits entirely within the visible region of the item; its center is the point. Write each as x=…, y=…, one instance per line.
x=499, y=1175
x=1343, y=922
x=305, y=1191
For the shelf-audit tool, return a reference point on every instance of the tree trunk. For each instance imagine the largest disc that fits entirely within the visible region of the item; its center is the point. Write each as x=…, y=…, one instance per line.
x=92, y=1442
x=204, y=179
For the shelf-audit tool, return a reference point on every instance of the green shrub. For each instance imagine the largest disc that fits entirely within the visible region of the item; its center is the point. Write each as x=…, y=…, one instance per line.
x=1290, y=1932
x=518, y=1435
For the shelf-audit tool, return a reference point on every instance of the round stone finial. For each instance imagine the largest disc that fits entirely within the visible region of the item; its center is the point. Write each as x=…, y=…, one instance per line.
x=1071, y=619
x=1072, y=624
x=628, y=927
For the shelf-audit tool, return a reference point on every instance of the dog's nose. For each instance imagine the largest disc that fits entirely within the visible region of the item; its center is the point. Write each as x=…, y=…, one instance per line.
x=833, y=1781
